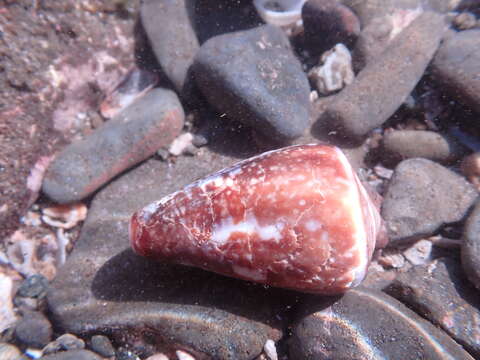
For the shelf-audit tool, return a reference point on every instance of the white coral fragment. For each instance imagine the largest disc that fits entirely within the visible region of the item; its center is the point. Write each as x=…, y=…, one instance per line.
x=335, y=72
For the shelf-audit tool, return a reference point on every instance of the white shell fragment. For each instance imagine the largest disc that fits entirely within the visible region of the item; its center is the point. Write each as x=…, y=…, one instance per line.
x=280, y=12
x=270, y=350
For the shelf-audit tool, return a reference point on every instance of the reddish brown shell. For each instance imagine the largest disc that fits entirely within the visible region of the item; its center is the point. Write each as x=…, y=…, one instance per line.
x=296, y=217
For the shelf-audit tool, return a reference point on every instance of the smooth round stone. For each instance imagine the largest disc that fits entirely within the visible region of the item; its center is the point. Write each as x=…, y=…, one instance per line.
x=64, y=342
x=254, y=78
x=102, y=345
x=422, y=196
x=383, y=85
x=9, y=352
x=471, y=247
x=34, y=330
x=456, y=66
x=171, y=36
x=368, y=324
x=34, y=286
x=73, y=355
x=405, y=144
x=130, y=137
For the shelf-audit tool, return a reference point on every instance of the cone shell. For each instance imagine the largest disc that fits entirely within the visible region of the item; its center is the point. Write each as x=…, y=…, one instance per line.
x=297, y=218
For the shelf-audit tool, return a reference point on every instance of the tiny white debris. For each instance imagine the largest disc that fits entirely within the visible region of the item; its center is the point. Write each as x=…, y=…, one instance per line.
x=270, y=349
x=63, y=242
x=336, y=71
x=419, y=253
x=302, y=202
x=182, y=355
x=181, y=144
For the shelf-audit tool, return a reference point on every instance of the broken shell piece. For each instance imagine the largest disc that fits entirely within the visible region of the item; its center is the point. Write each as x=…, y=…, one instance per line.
x=136, y=83
x=182, y=355
x=296, y=217
x=270, y=350
x=279, y=12
x=181, y=144
x=336, y=71
x=35, y=178
x=64, y=216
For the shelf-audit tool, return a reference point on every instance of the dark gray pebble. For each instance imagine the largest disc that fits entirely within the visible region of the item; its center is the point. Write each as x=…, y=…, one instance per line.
x=171, y=36
x=64, y=342
x=34, y=330
x=422, y=196
x=34, y=286
x=405, y=144
x=253, y=77
x=72, y=355
x=368, y=324
x=102, y=345
x=456, y=66
x=440, y=292
x=133, y=135
x=383, y=85
x=471, y=247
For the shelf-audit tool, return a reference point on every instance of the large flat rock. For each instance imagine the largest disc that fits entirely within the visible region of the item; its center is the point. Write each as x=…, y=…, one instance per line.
x=441, y=293
x=367, y=324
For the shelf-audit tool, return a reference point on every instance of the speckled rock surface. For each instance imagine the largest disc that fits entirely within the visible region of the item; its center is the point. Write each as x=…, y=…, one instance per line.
x=171, y=35
x=374, y=97
x=422, y=196
x=440, y=292
x=104, y=285
x=253, y=77
x=471, y=247
x=457, y=66
x=367, y=324
x=130, y=137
